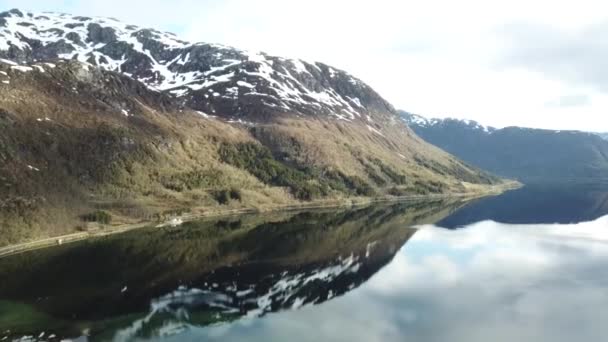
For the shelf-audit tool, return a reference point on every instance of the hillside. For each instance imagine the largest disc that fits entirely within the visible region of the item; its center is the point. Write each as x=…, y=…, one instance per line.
x=523, y=153
x=106, y=121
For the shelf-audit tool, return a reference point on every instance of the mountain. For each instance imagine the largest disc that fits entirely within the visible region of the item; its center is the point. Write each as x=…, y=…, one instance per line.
x=603, y=135
x=523, y=153
x=211, y=78
x=109, y=123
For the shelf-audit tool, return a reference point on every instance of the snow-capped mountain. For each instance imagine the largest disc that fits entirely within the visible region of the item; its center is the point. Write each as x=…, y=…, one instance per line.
x=525, y=153
x=420, y=121
x=96, y=111
x=211, y=78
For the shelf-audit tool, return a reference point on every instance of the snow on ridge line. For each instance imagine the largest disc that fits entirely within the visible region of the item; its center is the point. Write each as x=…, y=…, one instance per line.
x=58, y=18
x=22, y=68
x=45, y=21
x=300, y=67
x=7, y=61
x=424, y=122
x=290, y=93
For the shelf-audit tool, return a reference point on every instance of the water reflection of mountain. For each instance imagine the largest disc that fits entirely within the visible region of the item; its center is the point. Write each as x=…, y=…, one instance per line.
x=537, y=203
x=152, y=282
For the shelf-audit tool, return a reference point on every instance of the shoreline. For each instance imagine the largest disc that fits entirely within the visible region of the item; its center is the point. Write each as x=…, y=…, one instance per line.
x=218, y=213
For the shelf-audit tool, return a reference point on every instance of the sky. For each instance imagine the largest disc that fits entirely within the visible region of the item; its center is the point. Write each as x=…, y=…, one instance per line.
x=540, y=64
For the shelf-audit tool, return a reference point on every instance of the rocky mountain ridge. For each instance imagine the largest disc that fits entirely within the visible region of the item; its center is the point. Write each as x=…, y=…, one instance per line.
x=212, y=78
x=421, y=121
x=527, y=154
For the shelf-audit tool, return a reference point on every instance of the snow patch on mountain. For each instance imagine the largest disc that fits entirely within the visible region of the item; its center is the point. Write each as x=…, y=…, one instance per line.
x=187, y=70
x=420, y=121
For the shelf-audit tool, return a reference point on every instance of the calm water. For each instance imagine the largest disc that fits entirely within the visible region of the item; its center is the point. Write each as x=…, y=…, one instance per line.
x=382, y=273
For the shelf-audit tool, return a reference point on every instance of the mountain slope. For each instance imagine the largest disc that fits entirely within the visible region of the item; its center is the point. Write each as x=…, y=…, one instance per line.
x=88, y=139
x=523, y=153
x=207, y=77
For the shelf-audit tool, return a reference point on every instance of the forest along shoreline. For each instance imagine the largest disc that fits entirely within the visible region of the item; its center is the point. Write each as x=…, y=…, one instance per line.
x=211, y=212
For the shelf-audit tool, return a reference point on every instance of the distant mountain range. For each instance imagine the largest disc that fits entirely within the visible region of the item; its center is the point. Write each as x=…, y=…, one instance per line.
x=103, y=120
x=523, y=153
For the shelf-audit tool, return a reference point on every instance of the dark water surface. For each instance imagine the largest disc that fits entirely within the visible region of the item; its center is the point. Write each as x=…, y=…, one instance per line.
x=381, y=273
x=537, y=203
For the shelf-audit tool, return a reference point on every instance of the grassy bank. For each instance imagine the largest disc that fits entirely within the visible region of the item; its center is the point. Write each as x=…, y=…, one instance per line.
x=215, y=212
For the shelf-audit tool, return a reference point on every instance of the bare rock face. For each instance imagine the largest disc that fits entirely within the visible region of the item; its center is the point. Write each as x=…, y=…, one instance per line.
x=215, y=79
x=100, y=34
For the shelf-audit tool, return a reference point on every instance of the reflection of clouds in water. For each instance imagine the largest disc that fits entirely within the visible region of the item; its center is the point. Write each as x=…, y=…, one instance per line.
x=488, y=282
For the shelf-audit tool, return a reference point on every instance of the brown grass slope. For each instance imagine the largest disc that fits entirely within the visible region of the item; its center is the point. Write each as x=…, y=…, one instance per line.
x=81, y=144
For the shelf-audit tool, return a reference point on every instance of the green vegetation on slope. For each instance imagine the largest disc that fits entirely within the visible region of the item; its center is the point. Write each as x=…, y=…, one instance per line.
x=306, y=184
x=65, y=155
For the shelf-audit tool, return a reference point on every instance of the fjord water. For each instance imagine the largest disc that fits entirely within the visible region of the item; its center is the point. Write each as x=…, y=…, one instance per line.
x=380, y=273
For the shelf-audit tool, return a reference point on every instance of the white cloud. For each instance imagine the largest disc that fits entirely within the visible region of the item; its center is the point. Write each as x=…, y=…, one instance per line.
x=436, y=58
x=488, y=282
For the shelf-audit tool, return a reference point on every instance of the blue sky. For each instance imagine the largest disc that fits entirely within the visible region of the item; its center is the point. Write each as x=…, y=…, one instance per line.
x=529, y=63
